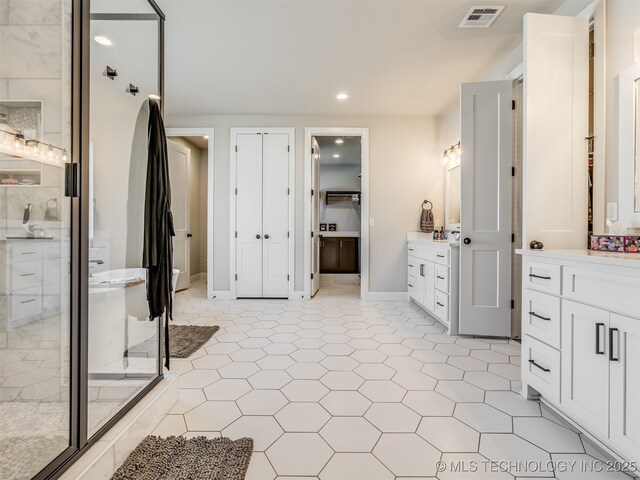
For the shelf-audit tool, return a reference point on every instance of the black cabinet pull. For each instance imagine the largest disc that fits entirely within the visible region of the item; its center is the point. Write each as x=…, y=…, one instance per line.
x=533, y=275
x=611, y=357
x=411, y=266
x=534, y=314
x=441, y=278
x=410, y=285
x=189, y=235
x=267, y=238
x=440, y=304
x=258, y=236
x=598, y=351
x=440, y=256
x=422, y=270
x=533, y=362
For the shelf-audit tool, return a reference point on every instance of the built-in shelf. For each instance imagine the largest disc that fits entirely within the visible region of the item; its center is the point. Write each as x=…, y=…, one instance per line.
x=342, y=196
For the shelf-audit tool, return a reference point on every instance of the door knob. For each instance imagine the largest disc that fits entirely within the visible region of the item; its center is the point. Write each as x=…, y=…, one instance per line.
x=189, y=235
x=266, y=236
x=467, y=241
x=258, y=236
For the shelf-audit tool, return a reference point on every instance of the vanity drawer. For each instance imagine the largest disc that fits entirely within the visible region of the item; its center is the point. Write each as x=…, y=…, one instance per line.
x=26, y=274
x=24, y=253
x=25, y=303
x=541, y=316
x=544, y=277
x=442, y=257
x=441, y=307
x=442, y=278
x=541, y=368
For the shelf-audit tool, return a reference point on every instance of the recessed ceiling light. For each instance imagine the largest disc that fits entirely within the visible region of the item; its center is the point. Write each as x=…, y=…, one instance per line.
x=342, y=96
x=103, y=40
x=336, y=155
x=339, y=141
x=153, y=96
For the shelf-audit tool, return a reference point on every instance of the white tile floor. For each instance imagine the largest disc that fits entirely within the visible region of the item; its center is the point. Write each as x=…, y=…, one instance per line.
x=341, y=389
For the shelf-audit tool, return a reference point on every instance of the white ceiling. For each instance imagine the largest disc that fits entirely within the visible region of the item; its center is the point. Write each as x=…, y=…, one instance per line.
x=393, y=57
x=350, y=150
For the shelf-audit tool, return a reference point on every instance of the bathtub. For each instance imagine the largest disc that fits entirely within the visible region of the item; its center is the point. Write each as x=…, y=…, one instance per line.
x=119, y=319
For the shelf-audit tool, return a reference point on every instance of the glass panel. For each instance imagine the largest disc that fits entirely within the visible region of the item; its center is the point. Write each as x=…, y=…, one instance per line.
x=123, y=344
x=35, y=125
x=636, y=159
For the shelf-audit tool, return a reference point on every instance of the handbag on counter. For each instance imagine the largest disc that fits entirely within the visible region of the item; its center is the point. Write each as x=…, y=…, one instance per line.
x=426, y=218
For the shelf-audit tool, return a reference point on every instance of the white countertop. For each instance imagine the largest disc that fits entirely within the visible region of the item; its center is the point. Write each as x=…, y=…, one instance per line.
x=428, y=238
x=340, y=233
x=585, y=255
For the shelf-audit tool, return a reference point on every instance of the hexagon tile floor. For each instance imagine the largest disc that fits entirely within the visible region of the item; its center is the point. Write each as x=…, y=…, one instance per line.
x=342, y=389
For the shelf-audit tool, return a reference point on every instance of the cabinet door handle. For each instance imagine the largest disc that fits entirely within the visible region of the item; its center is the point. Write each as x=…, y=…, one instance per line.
x=266, y=236
x=28, y=301
x=441, y=278
x=27, y=274
x=599, y=326
x=534, y=314
x=611, y=332
x=541, y=277
x=440, y=304
x=410, y=285
x=440, y=256
x=422, y=270
x=411, y=266
x=533, y=362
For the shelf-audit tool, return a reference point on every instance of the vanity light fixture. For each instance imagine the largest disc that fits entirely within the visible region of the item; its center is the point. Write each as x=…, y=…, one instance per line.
x=451, y=155
x=102, y=40
x=15, y=144
x=342, y=96
x=339, y=141
x=336, y=155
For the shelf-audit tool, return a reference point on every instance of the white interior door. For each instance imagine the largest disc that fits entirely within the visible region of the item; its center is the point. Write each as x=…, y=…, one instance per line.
x=275, y=215
x=486, y=163
x=556, y=115
x=179, y=158
x=248, y=215
x=315, y=216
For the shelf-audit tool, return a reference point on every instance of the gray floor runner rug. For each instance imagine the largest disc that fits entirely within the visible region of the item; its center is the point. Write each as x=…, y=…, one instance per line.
x=178, y=458
x=183, y=341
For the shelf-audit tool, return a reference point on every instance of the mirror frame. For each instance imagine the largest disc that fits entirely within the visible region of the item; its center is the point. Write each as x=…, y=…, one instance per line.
x=447, y=175
x=627, y=161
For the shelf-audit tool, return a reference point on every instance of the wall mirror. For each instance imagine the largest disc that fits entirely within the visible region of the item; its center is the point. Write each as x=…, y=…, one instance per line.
x=629, y=146
x=452, y=197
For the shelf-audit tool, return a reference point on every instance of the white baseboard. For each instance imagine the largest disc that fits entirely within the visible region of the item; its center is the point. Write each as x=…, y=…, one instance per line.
x=386, y=296
x=198, y=277
x=329, y=279
x=223, y=295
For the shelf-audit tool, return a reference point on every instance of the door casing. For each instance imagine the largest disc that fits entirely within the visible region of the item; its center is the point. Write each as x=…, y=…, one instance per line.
x=232, y=200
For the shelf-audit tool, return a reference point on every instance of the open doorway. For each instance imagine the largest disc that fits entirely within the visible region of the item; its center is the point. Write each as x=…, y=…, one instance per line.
x=337, y=215
x=189, y=156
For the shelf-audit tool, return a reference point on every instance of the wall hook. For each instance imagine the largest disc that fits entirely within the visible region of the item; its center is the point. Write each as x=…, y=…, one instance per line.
x=132, y=89
x=110, y=72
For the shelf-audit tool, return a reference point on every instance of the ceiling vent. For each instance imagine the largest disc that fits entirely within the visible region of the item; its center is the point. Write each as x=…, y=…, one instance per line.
x=480, y=17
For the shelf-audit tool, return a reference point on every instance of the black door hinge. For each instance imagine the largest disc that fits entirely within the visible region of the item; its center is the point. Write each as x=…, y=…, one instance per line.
x=592, y=50
x=513, y=238
x=513, y=171
x=236, y=191
x=513, y=304
x=236, y=234
x=236, y=148
x=287, y=278
x=288, y=148
x=287, y=234
x=311, y=234
x=312, y=192
x=70, y=179
x=236, y=277
x=312, y=276
x=288, y=191
x=313, y=150
x=513, y=104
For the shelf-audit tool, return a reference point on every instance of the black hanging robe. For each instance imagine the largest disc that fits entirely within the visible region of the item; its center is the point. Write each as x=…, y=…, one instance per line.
x=157, y=256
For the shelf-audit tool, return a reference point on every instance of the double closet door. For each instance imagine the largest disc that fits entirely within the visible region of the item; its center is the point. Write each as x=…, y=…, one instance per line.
x=262, y=235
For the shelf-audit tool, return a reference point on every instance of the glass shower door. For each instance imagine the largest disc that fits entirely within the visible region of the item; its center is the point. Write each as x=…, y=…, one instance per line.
x=35, y=251
x=123, y=344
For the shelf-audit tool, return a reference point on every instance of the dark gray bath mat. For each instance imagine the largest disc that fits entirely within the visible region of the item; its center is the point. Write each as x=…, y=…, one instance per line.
x=178, y=458
x=183, y=341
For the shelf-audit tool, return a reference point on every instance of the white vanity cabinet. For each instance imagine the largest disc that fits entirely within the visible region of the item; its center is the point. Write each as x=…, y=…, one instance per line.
x=33, y=285
x=432, y=278
x=581, y=341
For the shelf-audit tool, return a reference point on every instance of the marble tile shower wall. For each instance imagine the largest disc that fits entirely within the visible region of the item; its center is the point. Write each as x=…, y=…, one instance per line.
x=35, y=39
